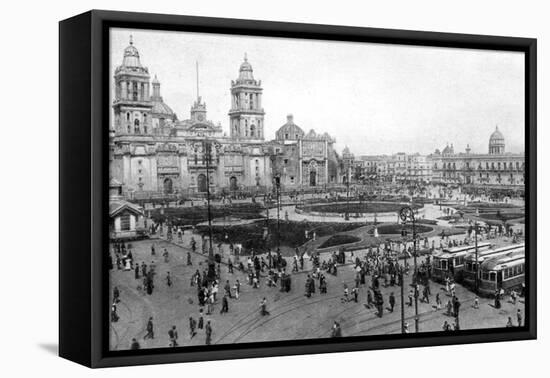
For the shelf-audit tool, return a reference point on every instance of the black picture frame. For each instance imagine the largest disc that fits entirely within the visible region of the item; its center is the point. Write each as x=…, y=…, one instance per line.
x=83, y=139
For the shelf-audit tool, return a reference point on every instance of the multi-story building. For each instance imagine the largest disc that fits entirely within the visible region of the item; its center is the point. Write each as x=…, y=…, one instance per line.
x=497, y=168
x=153, y=151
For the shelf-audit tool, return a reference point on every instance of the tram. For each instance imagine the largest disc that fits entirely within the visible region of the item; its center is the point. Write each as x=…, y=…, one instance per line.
x=450, y=261
x=469, y=274
x=505, y=272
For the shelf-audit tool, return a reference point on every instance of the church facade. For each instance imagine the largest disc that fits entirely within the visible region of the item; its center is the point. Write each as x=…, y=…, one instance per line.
x=153, y=151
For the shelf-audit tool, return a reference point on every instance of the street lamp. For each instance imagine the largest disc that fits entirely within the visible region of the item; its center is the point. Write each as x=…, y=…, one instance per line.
x=208, y=158
x=278, y=194
x=407, y=214
x=476, y=225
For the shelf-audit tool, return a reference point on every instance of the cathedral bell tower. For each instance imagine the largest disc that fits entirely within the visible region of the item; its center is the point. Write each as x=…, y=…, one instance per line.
x=246, y=116
x=132, y=102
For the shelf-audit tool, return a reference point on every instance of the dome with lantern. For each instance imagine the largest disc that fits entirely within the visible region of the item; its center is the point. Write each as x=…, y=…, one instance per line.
x=289, y=131
x=496, y=143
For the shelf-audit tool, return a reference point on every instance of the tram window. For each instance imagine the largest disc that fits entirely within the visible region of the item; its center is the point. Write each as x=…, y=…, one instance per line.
x=469, y=267
x=485, y=276
x=492, y=276
x=444, y=264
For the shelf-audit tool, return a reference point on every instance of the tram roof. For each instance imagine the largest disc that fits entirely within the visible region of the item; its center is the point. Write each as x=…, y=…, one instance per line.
x=501, y=262
x=492, y=253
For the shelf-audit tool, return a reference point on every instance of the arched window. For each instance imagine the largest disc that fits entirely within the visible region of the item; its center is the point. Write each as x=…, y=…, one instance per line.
x=136, y=126
x=129, y=129
x=252, y=130
x=127, y=116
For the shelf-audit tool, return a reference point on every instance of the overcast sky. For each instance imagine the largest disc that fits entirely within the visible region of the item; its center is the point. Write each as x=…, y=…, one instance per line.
x=374, y=98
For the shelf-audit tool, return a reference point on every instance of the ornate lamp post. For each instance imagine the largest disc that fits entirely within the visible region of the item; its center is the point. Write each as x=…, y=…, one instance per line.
x=407, y=214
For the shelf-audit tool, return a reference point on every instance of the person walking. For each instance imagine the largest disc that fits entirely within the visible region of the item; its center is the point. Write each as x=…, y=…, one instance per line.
x=392, y=301
x=201, y=320
x=208, y=331
x=173, y=335
x=150, y=330
x=225, y=305
x=519, y=317
x=192, y=326
x=336, y=330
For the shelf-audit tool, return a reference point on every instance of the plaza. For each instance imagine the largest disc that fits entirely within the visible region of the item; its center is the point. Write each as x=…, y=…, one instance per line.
x=250, y=233
x=292, y=315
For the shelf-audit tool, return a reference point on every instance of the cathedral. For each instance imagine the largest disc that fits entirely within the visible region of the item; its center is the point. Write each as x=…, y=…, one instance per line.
x=153, y=151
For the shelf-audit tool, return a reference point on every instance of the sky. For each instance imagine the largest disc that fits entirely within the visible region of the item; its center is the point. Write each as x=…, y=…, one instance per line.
x=374, y=98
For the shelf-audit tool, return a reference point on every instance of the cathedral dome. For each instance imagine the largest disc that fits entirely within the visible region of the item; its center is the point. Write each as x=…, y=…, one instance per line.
x=289, y=131
x=160, y=108
x=131, y=55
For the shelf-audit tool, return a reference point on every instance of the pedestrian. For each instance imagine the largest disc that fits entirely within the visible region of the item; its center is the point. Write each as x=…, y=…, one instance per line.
x=446, y=326
x=336, y=330
x=201, y=320
x=173, y=335
x=114, y=315
x=227, y=289
x=153, y=249
x=168, y=279
x=237, y=289
x=189, y=261
x=425, y=297
x=116, y=295
x=476, y=303
x=406, y=328
x=150, y=331
x=509, y=324
x=355, y=293
x=225, y=305
x=134, y=345
x=437, y=302
x=208, y=331
x=411, y=294
x=192, y=325
x=519, y=317
x=136, y=271
x=392, y=301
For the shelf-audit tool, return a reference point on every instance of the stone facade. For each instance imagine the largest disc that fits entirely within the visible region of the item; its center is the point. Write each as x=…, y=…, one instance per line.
x=494, y=169
x=152, y=151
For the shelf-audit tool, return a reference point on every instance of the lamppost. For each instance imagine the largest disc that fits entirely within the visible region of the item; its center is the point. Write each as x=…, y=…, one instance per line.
x=407, y=214
x=207, y=146
x=278, y=194
x=477, y=258
x=348, y=177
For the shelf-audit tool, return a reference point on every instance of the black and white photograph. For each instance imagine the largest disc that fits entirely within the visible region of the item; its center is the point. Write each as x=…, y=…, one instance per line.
x=266, y=189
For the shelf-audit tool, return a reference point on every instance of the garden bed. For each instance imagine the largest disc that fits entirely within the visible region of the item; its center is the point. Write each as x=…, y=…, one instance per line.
x=395, y=229
x=339, y=240
x=291, y=234
x=183, y=216
x=356, y=207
